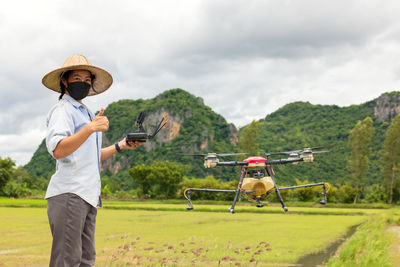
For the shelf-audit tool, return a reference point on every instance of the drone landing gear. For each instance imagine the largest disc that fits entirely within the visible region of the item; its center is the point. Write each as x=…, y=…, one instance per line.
x=190, y=206
x=278, y=194
x=189, y=191
x=323, y=200
x=280, y=198
x=324, y=186
x=259, y=204
x=232, y=209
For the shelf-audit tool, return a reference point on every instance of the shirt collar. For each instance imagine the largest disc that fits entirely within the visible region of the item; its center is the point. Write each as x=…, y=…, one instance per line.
x=75, y=103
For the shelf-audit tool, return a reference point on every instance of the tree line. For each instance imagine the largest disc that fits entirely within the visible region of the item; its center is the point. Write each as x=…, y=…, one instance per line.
x=167, y=180
x=359, y=141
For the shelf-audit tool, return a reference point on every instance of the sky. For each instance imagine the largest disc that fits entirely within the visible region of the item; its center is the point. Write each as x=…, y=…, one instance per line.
x=246, y=59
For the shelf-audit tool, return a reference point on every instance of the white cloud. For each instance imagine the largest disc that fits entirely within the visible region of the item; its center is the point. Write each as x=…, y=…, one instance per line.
x=245, y=58
x=20, y=147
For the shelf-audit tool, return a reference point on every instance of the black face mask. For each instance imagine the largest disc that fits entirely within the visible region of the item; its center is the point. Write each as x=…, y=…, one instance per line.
x=78, y=90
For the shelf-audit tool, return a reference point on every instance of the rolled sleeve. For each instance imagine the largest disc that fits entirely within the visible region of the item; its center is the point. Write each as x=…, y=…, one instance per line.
x=59, y=126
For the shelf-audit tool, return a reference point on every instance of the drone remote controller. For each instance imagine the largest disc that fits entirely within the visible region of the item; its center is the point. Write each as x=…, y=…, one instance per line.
x=142, y=136
x=139, y=137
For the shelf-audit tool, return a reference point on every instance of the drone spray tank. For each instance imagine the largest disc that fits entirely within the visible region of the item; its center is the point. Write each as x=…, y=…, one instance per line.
x=256, y=182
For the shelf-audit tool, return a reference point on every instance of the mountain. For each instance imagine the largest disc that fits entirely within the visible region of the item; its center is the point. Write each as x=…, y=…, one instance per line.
x=195, y=128
x=192, y=127
x=300, y=124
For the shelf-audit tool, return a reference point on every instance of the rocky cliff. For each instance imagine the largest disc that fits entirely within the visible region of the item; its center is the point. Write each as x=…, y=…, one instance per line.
x=387, y=106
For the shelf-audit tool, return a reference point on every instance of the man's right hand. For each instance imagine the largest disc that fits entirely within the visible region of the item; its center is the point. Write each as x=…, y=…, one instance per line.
x=99, y=123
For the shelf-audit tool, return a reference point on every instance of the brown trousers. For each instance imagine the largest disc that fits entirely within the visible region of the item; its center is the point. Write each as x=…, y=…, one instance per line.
x=72, y=223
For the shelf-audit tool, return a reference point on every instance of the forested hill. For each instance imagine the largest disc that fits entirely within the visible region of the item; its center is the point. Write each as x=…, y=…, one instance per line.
x=301, y=124
x=194, y=127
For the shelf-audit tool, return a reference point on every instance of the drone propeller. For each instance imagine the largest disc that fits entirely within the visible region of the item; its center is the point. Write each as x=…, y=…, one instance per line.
x=196, y=155
x=216, y=154
x=300, y=151
x=281, y=153
x=322, y=151
x=320, y=147
x=231, y=154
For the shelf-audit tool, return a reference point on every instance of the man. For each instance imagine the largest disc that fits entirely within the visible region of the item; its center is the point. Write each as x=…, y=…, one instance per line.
x=73, y=138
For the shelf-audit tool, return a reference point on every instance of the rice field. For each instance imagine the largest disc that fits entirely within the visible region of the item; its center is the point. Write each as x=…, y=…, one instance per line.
x=156, y=234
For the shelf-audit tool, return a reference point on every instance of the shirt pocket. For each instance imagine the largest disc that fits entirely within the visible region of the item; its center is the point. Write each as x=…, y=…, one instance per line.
x=67, y=165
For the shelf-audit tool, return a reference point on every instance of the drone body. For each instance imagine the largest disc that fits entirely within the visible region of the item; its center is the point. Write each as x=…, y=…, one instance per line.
x=255, y=181
x=257, y=175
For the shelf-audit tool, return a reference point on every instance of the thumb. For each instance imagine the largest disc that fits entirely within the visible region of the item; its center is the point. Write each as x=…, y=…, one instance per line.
x=101, y=112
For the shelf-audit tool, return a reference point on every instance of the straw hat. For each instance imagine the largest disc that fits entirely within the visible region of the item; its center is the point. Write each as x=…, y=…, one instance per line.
x=101, y=82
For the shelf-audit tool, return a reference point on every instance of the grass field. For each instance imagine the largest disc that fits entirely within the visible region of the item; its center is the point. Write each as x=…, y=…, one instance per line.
x=156, y=234
x=216, y=206
x=369, y=246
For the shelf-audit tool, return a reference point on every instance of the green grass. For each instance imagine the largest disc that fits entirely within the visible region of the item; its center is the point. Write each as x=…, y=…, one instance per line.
x=212, y=206
x=177, y=238
x=369, y=246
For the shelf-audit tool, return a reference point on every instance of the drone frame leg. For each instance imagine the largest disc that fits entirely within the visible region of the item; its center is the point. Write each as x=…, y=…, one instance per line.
x=278, y=194
x=259, y=204
x=190, y=205
x=232, y=209
x=323, y=200
x=191, y=190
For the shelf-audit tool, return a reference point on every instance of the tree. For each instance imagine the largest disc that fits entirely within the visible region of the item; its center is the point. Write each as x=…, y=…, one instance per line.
x=20, y=184
x=167, y=175
x=207, y=182
x=359, y=141
x=391, y=156
x=141, y=175
x=162, y=177
x=346, y=193
x=304, y=194
x=6, y=171
x=248, y=140
x=15, y=189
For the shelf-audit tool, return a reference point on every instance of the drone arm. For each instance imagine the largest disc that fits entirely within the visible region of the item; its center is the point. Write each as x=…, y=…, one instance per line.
x=232, y=163
x=283, y=161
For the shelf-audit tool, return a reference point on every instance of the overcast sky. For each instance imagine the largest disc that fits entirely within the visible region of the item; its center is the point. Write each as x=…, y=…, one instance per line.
x=244, y=58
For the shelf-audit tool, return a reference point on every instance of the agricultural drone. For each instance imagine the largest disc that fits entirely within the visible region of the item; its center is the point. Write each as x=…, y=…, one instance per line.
x=257, y=175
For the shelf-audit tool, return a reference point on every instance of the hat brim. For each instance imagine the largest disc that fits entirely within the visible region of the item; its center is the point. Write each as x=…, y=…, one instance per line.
x=102, y=80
